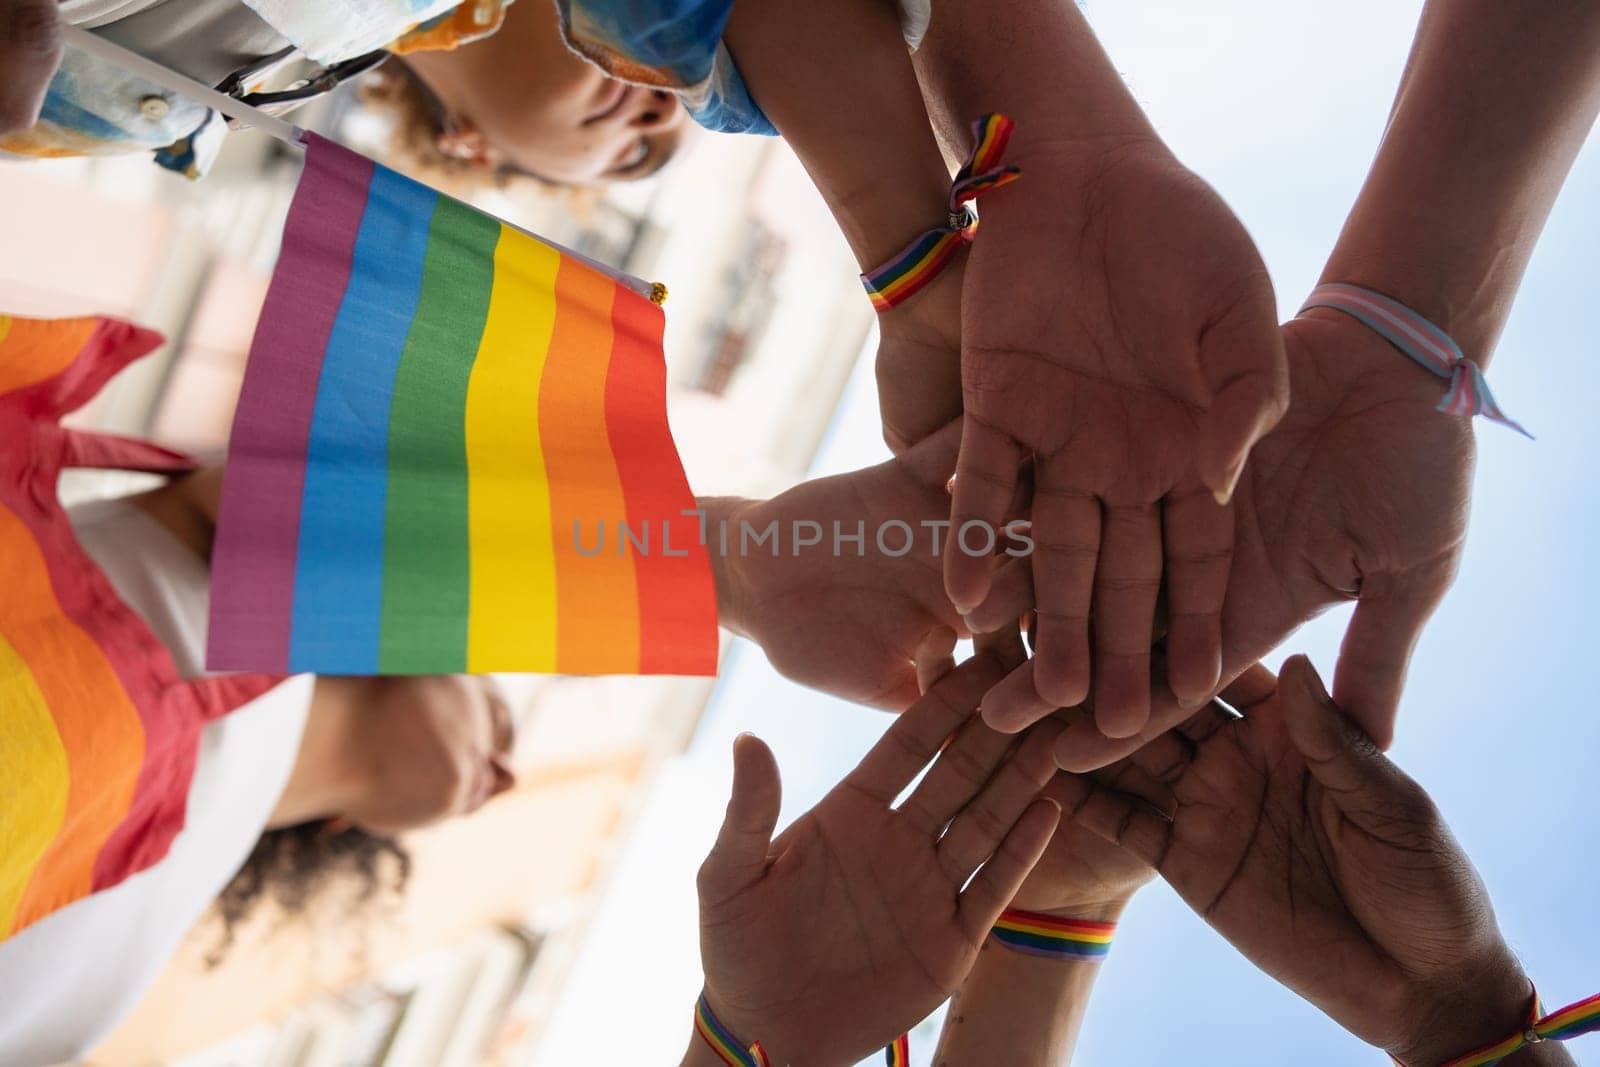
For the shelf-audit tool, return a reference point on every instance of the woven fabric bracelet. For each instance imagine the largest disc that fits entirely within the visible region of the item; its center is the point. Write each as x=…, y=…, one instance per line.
x=727, y=1047
x=1560, y=1025
x=1426, y=344
x=899, y=1053
x=1078, y=940
x=914, y=266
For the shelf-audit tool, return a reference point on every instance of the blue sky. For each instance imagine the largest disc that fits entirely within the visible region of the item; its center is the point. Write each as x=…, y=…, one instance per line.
x=1280, y=106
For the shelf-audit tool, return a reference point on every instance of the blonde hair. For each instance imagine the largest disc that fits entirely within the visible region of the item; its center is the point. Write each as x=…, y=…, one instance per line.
x=416, y=119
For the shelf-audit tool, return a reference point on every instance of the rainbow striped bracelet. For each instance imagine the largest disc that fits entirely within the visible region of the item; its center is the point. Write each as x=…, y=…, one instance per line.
x=913, y=267
x=728, y=1048
x=1075, y=940
x=1560, y=1025
x=1426, y=345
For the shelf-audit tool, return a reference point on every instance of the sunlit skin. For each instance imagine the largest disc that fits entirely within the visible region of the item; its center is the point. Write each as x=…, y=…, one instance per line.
x=521, y=100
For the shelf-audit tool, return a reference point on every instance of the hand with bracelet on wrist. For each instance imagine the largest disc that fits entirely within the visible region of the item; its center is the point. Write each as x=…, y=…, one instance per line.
x=831, y=940
x=1119, y=332
x=1321, y=861
x=1020, y=1008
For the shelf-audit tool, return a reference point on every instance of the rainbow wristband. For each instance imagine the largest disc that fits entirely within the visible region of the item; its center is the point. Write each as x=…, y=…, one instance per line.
x=914, y=266
x=1561, y=1025
x=899, y=1053
x=728, y=1048
x=1426, y=344
x=1075, y=940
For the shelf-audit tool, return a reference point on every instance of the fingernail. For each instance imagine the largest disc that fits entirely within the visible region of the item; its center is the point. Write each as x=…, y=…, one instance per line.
x=1225, y=494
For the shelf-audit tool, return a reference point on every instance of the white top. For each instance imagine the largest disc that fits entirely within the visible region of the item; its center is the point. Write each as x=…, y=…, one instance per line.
x=69, y=979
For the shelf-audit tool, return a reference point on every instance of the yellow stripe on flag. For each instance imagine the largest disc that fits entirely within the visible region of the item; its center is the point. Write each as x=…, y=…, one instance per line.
x=33, y=766
x=512, y=623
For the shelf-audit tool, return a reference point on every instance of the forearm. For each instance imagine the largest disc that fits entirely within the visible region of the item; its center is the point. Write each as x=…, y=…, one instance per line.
x=835, y=78
x=1035, y=60
x=1491, y=112
x=1016, y=1009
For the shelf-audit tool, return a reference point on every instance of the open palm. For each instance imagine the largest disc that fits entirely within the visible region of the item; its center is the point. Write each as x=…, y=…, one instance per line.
x=859, y=919
x=1120, y=329
x=1360, y=494
x=1293, y=836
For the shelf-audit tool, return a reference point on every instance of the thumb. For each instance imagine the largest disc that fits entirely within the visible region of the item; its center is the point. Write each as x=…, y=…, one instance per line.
x=739, y=856
x=1245, y=367
x=1376, y=653
x=1340, y=756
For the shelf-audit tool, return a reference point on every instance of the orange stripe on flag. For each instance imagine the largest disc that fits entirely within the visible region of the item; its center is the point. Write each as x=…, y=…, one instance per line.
x=35, y=350
x=99, y=728
x=597, y=628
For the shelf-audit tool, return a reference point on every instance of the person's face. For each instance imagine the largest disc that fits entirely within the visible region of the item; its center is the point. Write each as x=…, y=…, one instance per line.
x=437, y=747
x=521, y=99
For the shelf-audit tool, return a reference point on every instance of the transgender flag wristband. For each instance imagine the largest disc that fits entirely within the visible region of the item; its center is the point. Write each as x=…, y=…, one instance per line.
x=1068, y=940
x=920, y=262
x=1426, y=344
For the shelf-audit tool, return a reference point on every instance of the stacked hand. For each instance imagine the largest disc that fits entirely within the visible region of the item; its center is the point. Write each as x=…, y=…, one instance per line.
x=860, y=918
x=1360, y=494
x=853, y=618
x=1119, y=329
x=1293, y=836
x=1125, y=341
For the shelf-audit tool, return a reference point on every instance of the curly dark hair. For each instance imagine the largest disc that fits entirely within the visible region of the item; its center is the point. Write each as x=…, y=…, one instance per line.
x=296, y=864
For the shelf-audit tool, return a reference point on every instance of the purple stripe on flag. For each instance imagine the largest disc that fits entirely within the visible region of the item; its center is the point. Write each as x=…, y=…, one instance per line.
x=258, y=528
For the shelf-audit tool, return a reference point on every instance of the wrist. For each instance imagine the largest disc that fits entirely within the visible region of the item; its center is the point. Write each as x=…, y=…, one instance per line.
x=724, y=1035
x=1017, y=1008
x=887, y=209
x=1102, y=911
x=1480, y=1006
x=1039, y=63
x=1472, y=314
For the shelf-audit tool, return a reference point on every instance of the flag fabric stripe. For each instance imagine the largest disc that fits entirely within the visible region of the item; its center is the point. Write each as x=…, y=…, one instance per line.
x=99, y=734
x=512, y=624
x=265, y=480
x=98, y=728
x=30, y=361
x=652, y=481
x=339, y=565
x=30, y=751
x=426, y=574
x=483, y=402
x=595, y=597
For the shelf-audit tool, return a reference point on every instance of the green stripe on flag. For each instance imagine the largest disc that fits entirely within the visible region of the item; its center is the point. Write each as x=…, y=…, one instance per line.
x=426, y=575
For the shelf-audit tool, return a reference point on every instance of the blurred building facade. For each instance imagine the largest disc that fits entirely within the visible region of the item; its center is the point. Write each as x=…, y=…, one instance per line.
x=765, y=322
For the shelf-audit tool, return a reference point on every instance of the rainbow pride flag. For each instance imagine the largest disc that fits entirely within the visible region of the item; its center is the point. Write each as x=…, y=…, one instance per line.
x=441, y=420
x=98, y=734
